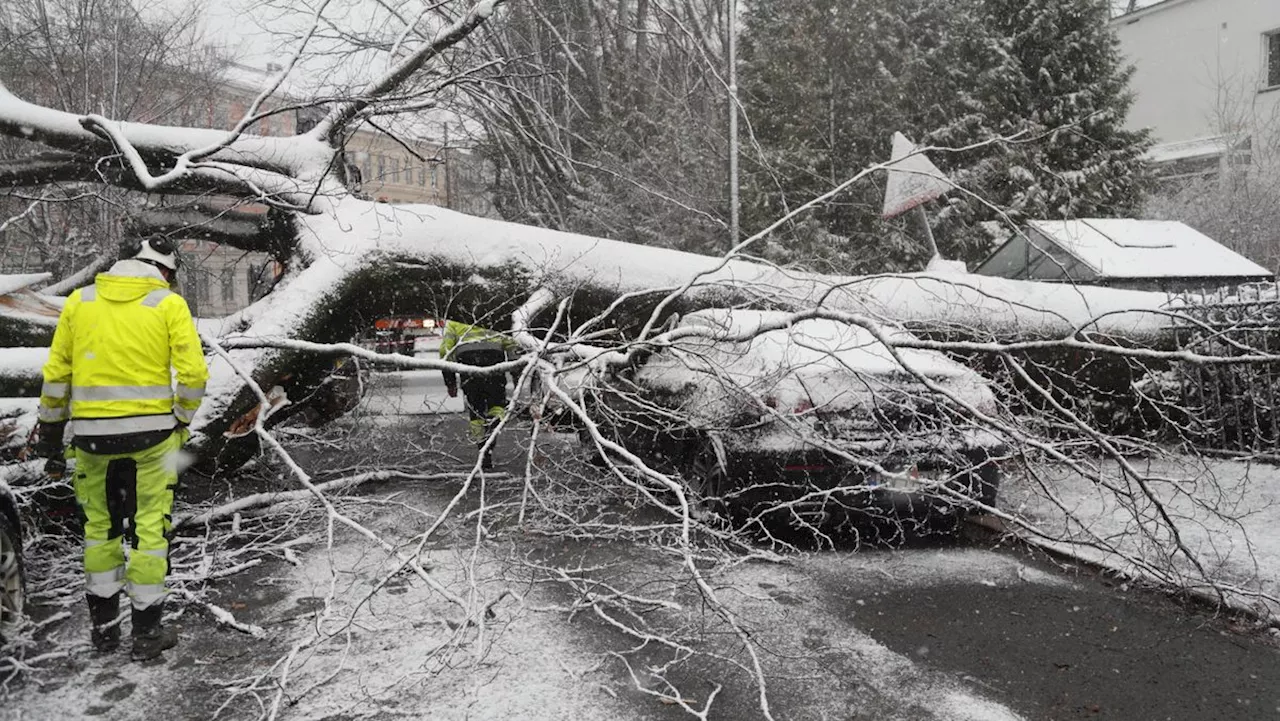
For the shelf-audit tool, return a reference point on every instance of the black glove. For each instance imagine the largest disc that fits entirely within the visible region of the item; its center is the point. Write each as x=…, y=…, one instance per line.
x=55, y=468
x=49, y=440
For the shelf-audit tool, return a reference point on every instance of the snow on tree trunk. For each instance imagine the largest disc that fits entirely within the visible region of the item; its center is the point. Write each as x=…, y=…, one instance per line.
x=359, y=260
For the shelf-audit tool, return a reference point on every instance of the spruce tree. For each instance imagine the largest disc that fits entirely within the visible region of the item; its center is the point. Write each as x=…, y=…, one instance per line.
x=827, y=82
x=1073, y=97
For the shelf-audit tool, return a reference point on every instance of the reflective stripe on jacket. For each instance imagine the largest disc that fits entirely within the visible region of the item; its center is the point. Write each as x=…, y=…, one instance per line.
x=118, y=345
x=458, y=334
x=461, y=336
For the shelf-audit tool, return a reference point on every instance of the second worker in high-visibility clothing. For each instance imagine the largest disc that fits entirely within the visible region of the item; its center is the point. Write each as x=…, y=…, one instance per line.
x=485, y=394
x=119, y=346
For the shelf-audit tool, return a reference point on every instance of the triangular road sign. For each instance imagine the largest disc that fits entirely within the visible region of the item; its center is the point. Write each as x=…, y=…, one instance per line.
x=913, y=179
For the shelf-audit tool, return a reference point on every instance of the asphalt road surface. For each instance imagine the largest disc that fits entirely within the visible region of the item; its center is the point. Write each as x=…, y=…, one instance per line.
x=1081, y=647
x=975, y=630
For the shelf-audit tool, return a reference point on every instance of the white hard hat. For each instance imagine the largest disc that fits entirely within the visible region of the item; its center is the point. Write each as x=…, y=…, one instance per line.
x=158, y=250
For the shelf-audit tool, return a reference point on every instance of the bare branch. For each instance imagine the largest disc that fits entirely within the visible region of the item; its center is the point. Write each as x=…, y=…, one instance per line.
x=332, y=126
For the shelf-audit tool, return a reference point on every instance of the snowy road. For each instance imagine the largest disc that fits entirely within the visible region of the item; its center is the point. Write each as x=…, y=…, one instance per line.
x=977, y=632
x=409, y=393
x=924, y=634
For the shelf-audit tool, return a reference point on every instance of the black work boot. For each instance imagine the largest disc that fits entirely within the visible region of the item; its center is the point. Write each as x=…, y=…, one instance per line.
x=150, y=638
x=102, y=612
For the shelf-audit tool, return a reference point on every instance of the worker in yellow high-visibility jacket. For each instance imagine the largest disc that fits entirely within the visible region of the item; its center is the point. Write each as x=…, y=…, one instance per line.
x=485, y=394
x=119, y=346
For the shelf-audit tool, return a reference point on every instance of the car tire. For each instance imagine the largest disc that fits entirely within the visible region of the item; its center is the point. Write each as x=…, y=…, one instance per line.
x=708, y=481
x=988, y=477
x=12, y=574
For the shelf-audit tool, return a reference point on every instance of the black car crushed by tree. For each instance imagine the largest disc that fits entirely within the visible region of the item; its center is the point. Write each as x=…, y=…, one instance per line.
x=818, y=427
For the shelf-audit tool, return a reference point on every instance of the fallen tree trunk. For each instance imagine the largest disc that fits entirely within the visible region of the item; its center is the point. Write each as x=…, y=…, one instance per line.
x=359, y=261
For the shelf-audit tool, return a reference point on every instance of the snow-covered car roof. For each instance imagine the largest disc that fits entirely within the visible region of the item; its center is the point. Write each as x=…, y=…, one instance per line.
x=816, y=343
x=751, y=366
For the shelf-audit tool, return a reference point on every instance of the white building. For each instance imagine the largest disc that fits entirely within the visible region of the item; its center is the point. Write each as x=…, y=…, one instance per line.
x=1206, y=80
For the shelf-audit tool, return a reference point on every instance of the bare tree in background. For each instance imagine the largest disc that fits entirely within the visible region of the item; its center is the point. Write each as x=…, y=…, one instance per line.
x=607, y=118
x=120, y=58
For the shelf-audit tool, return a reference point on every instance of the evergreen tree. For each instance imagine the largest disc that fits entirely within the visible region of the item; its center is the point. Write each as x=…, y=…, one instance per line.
x=827, y=82
x=1073, y=97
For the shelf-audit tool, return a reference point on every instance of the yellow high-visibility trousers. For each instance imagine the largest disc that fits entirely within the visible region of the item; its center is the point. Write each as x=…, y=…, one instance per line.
x=127, y=498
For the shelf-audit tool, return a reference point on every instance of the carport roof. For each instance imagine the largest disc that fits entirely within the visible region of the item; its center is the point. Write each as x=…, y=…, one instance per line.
x=1127, y=248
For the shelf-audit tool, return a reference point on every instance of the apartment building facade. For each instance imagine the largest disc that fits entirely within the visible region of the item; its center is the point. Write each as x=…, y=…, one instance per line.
x=1206, y=81
x=386, y=168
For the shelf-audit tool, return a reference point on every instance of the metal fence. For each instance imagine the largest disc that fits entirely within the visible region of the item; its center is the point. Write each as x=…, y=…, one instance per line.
x=1233, y=406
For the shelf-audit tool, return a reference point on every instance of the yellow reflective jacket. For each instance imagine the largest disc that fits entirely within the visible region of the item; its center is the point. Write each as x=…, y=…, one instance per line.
x=461, y=336
x=118, y=345
x=457, y=334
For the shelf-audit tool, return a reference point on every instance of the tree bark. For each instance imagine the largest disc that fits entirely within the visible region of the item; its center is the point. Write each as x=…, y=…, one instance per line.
x=263, y=232
x=65, y=167
x=359, y=261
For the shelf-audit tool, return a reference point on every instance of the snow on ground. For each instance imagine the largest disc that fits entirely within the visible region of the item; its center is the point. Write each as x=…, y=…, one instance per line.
x=1227, y=513
x=915, y=568
x=820, y=662
x=402, y=652
x=409, y=393
x=105, y=687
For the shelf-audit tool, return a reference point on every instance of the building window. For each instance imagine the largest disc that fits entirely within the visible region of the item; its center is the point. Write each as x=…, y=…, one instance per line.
x=229, y=286
x=422, y=175
x=382, y=169
x=395, y=170
x=434, y=177
x=258, y=280
x=1273, y=59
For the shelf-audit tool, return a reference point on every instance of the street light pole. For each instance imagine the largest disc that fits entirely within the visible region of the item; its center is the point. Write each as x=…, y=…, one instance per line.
x=732, y=72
